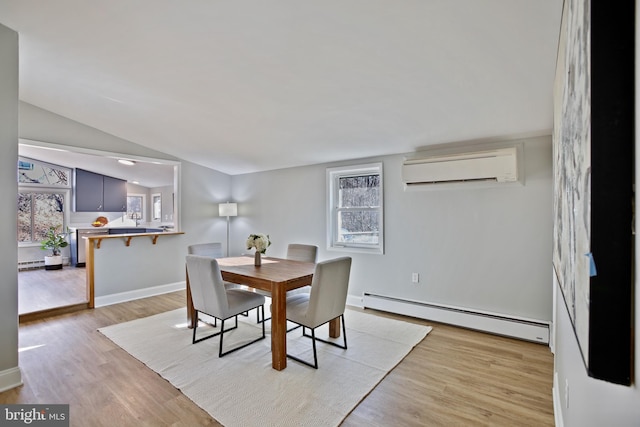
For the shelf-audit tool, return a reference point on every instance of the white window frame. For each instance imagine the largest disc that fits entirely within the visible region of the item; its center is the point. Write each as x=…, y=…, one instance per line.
x=41, y=190
x=144, y=206
x=333, y=177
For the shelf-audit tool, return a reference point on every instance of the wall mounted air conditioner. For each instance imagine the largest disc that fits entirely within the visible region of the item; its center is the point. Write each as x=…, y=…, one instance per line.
x=497, y=165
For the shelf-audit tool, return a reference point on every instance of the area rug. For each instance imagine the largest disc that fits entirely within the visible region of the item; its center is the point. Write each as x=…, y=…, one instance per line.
x=241, y=389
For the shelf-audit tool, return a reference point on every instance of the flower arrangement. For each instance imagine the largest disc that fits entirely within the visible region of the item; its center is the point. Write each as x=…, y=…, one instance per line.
x=259, y=241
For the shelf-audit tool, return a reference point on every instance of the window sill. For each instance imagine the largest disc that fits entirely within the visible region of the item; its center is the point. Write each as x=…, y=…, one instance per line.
x=351, y=249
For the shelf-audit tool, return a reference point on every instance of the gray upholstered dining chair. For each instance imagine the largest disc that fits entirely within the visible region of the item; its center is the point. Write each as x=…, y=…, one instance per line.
x=300, y=252
x=305, y=253
x=296, y=252
x=212, y=250
x=211, y=297
x=326, y=301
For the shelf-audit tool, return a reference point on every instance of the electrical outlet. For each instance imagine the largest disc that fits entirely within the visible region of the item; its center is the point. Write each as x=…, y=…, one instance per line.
x=415, y=278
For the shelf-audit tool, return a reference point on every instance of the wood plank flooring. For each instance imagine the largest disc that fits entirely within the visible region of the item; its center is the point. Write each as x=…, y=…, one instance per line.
x=41, y=289
x=453, y=377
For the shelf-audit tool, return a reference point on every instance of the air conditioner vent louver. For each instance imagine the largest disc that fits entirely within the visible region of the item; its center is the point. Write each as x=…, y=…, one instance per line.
x=498, y=165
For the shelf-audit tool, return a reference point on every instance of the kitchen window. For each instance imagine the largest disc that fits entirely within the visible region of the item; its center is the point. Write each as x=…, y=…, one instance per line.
x=37, y=211
x=355, y=208
x=136, y=207
x=43, y=194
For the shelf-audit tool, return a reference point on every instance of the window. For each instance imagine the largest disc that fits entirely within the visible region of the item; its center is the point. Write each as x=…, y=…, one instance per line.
x=43, y=192
x=37, y=173
x=157, y=206
x=355, y=204
x=37, y=211
x=135, y=207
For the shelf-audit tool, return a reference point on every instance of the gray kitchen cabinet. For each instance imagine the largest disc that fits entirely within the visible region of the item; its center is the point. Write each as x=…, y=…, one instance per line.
x=89, y=187
x=99, y=193
x=115, y=194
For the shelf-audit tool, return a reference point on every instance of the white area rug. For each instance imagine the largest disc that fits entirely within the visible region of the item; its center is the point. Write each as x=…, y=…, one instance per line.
x=241, y=389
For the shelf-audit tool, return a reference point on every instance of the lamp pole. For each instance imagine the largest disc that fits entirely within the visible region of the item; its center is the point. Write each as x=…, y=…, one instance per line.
x=228, y=210
x=228, y=235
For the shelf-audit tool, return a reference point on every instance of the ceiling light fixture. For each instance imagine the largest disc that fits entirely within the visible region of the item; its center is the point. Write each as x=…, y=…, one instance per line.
x=126, y=162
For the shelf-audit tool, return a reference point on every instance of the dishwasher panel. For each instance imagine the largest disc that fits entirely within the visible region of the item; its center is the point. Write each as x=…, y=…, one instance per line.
x=78, y=244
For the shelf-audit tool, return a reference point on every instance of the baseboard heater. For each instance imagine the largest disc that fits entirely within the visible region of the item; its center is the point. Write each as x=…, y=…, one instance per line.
x=529, y=330
x=30, y=264
x=37, y=264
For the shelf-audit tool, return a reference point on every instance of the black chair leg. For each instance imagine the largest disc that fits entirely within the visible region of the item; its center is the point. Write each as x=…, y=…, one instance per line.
x=194, y=340
x=221, y=337
x=258, y=316
x=220, y=353
x=313, y=340
x=344, y=336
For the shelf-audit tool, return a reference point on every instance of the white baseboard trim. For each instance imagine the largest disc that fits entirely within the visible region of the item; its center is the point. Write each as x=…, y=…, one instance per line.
x=355, y=301
x=557, y=404
x=138, y=293
x=10, y=378
x=495, y=323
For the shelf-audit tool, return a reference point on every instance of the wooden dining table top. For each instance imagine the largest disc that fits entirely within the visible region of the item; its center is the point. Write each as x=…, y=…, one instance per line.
x=286, y=273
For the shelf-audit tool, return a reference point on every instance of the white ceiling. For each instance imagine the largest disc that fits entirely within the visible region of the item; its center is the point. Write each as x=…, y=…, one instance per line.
x=249, y=85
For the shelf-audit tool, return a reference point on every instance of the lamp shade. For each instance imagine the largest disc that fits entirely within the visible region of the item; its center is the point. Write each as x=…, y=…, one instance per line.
x=228, y=209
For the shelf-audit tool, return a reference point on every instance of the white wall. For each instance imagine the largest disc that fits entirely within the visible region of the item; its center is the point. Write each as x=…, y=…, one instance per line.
x=486, y=249
x=9, y=372
x=41, y=125
x=590, y=402
x=166, y=194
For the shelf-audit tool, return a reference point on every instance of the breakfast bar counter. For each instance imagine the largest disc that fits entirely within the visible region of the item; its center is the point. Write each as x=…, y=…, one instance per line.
x=121, y=267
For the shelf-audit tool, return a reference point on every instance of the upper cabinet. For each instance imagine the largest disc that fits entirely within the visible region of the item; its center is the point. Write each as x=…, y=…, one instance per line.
x=99, y=193
x=115, y=194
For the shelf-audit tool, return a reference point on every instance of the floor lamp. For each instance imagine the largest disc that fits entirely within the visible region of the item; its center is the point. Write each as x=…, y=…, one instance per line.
x=228, y=210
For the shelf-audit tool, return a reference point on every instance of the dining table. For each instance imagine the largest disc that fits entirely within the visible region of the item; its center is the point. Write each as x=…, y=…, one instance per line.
x=277, y=276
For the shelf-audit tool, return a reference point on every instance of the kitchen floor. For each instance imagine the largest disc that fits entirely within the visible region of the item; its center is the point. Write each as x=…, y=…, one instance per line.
x=42, y=289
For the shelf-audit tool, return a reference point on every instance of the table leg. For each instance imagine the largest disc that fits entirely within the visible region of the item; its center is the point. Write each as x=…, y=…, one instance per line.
x=334, y=328
x=191, y=312
x=278, y=328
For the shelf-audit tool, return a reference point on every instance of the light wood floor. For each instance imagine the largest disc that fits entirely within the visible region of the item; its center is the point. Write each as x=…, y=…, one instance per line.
x=41, y=289
x=454, y=377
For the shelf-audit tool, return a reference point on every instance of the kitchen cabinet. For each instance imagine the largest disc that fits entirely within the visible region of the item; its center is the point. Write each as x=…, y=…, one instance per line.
x=115, y=194
x=99, y=193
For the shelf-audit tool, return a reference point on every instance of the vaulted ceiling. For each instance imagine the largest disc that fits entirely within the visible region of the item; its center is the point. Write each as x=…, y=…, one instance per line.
x=249, y=85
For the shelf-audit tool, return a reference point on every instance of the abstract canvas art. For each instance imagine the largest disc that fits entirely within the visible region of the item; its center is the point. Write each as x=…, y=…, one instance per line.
x=593, y=154
x=572, y=174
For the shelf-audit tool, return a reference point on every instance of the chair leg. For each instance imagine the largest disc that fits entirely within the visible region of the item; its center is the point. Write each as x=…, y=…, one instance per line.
x=314, y=339
x=195, y=327
x=314, y=365
x=344, y=336
x=258, y=316
x=315, y=353
x=222, y=336
x=220, y=353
